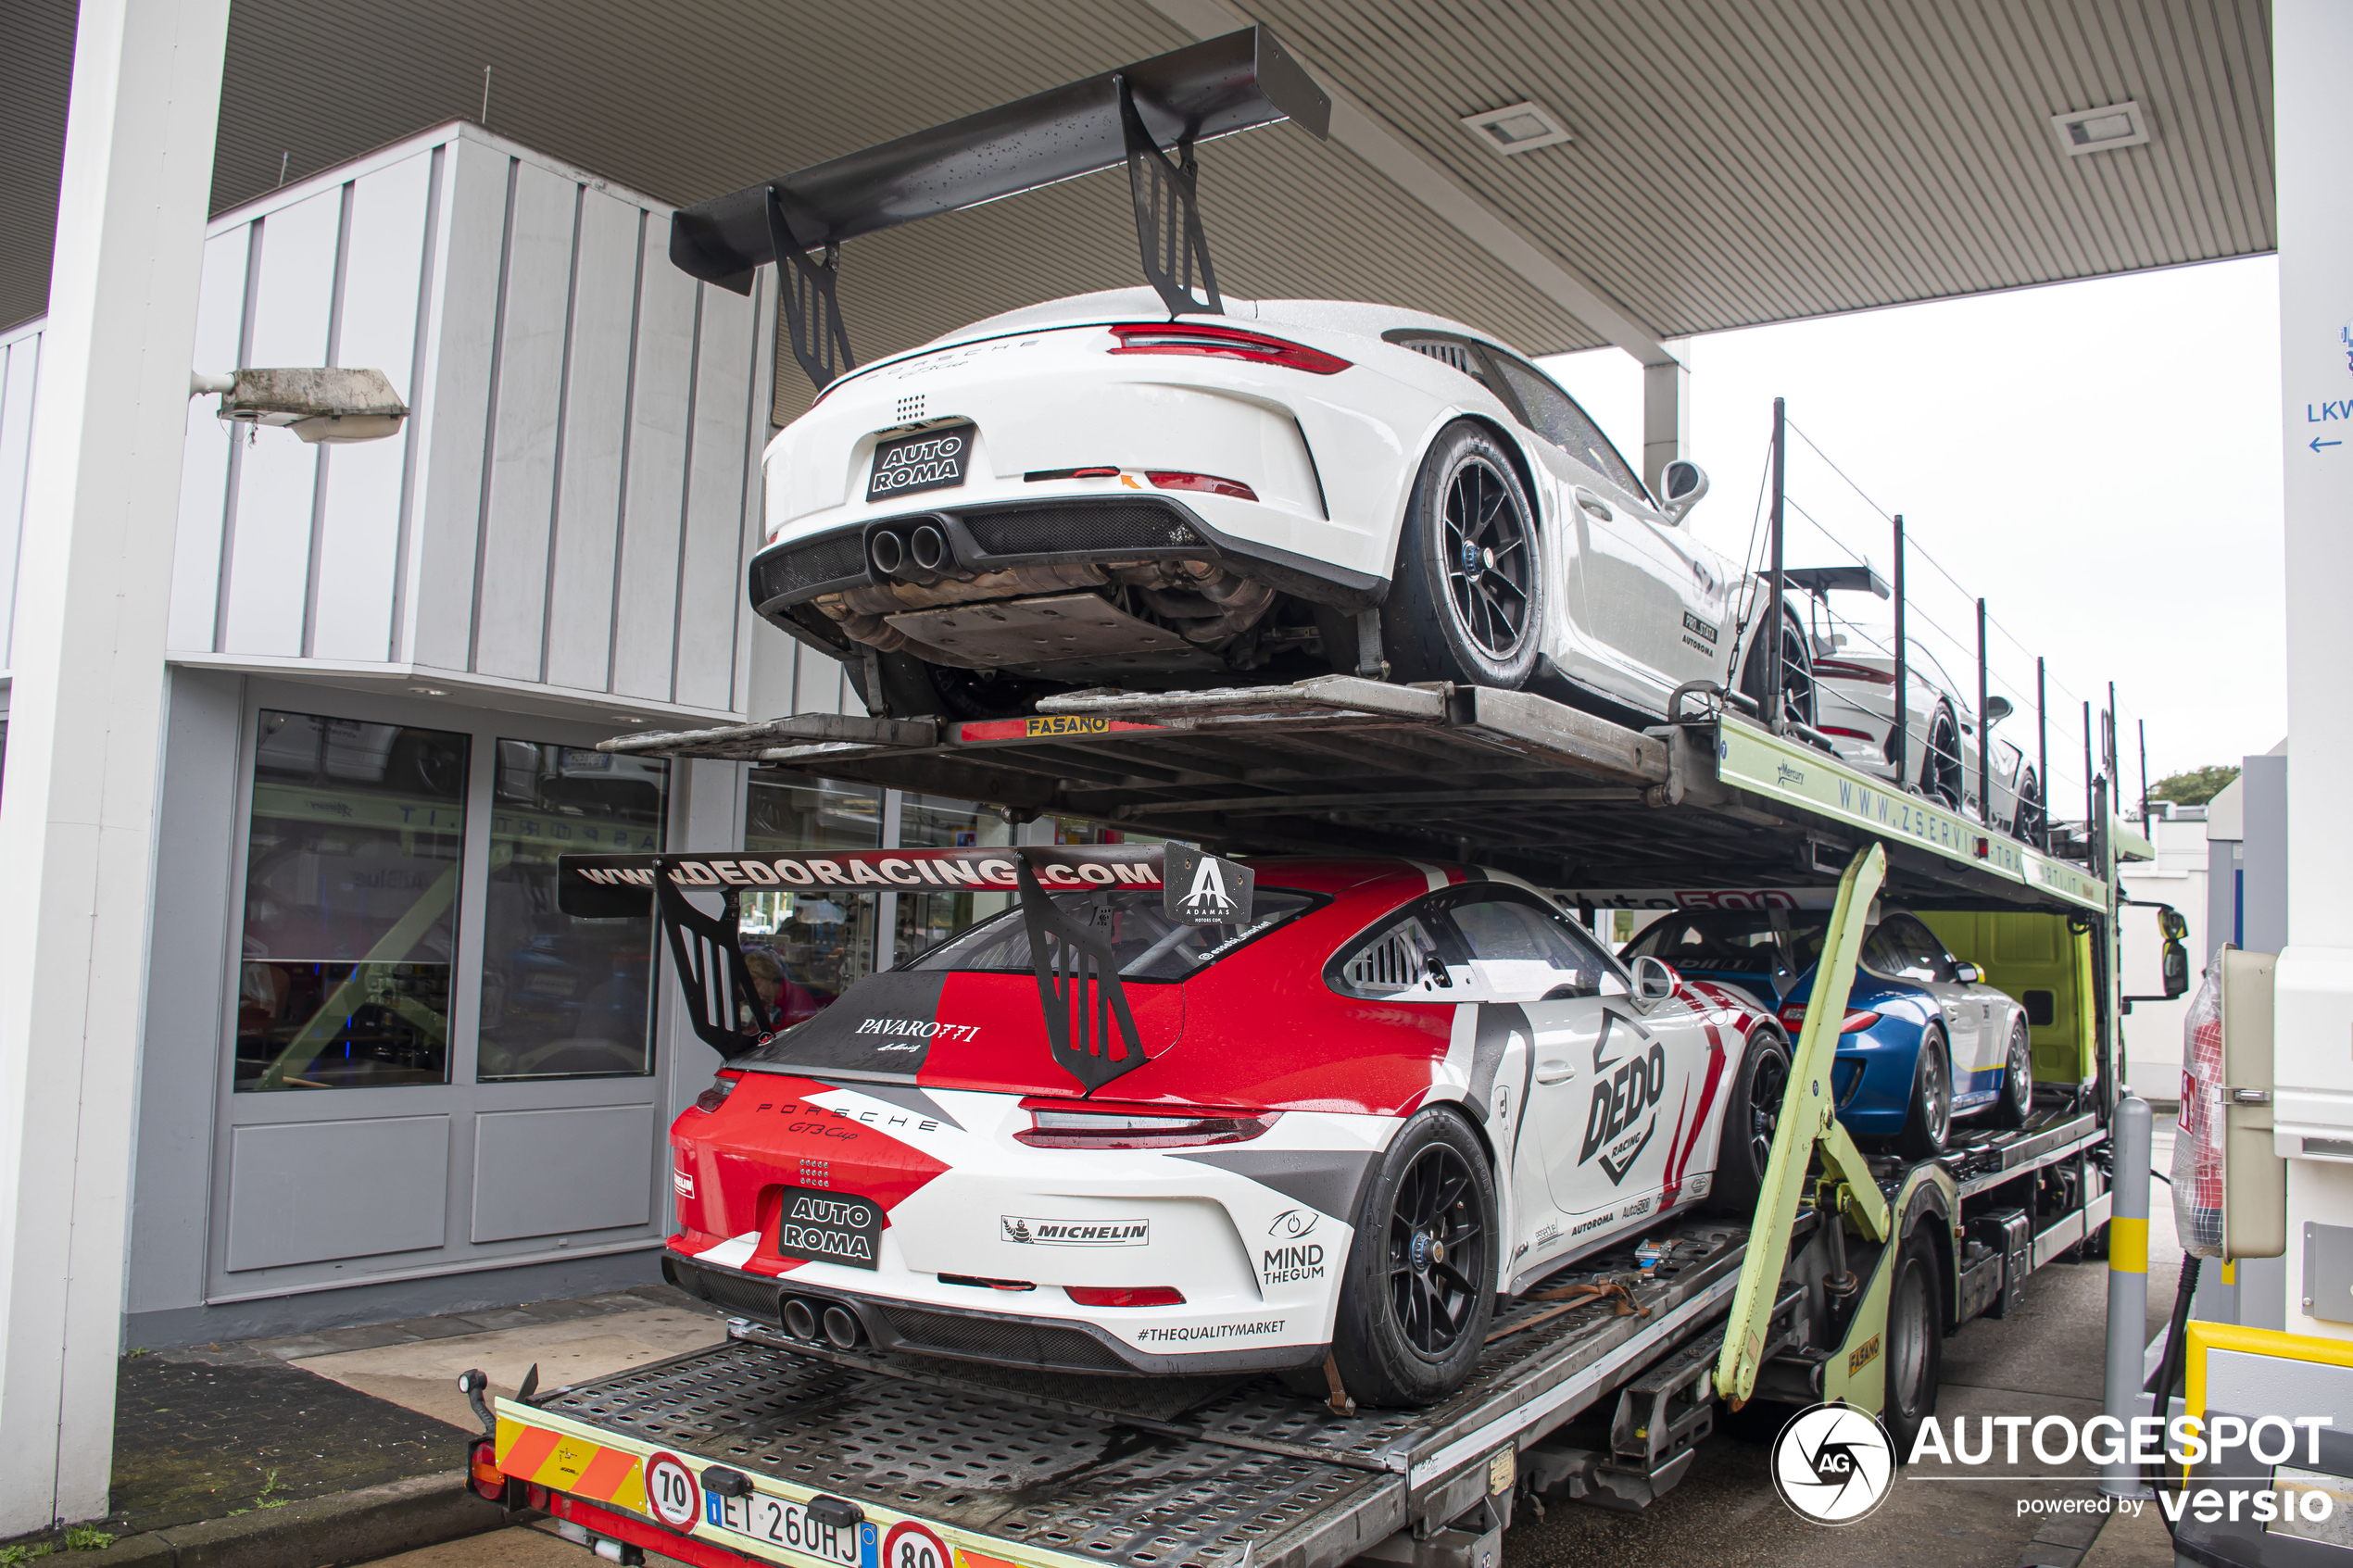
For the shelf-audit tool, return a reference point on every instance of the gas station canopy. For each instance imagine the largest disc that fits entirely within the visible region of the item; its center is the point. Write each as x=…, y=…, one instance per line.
x=1564, y=177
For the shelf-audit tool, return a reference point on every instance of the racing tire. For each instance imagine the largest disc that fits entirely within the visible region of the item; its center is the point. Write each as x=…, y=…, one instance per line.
x=1466, y=603
x=1797, y=673
x=1752, y=1113
x=2015, y=1103
x=1941, y=772
x=2027, y=815
x=1928, y=1120
x=1419, y=1287
x=1915, y=1342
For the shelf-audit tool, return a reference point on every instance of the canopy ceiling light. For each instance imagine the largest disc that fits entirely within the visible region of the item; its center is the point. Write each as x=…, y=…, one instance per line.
x=1522, y=128
x=2096, y=130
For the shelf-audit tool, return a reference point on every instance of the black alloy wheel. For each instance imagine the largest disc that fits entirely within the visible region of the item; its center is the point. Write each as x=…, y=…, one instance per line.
x=1437, y=1250
x=1940, y=768
x=2017, y=1101
x=1751, y=1115
x=1467, y=602
x=2027, y=820
x=1797, y=673
x=1930, y=1120
x=1418, y=1288
x=1491, y=559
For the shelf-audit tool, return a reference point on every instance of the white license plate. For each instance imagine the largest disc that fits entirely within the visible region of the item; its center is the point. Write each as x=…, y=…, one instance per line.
x=778, y=1522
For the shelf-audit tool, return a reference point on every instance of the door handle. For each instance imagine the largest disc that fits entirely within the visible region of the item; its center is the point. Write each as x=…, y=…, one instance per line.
x=1555, y=1072
x=1594, y=504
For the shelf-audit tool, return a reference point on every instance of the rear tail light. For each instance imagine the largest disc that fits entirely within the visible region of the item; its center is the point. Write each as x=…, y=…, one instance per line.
x=979, y=1283
x=1794, y=1017
x=1203, y=483
x=1224, y=343
x=1835, y=730
x=1053, y=1127
x=482, y=1474
x=1134, y=1296
x=1839, y=669
x=716, y=1095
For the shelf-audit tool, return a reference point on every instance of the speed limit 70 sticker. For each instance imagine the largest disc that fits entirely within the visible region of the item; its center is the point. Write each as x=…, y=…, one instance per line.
x=911, y=1545
x=671, y=1492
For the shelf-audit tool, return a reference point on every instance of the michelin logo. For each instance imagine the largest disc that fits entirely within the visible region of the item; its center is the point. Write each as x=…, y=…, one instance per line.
x=1072, y=1232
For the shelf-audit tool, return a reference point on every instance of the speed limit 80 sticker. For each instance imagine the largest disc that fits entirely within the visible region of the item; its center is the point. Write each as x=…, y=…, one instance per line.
x=912, y=1545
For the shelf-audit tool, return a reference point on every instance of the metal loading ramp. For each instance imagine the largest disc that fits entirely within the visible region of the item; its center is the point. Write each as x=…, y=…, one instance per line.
x=1342, y=764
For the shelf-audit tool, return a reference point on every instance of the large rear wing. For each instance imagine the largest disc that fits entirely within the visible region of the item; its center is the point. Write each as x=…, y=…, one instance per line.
x=1214, y=88
x=1071, y=952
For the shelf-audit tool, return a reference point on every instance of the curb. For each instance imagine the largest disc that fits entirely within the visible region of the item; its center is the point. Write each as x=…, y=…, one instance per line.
x=316, y=1533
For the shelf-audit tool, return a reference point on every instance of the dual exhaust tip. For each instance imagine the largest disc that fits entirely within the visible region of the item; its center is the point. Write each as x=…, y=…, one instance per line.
x=922, y=549
x=827, y=1320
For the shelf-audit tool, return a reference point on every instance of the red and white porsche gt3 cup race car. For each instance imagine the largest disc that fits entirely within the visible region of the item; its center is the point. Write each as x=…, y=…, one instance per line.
x=1255, y=1117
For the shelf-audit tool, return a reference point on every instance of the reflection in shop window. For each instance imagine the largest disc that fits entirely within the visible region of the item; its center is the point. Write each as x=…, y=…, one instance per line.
x=562, y=996
x=804, y=949
x=928, y=822
x=351, y=904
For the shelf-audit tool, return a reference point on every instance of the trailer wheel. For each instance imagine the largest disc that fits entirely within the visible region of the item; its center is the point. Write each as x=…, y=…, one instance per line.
x=1915, y=1343
x=1931, y=1119
x=1468, y=601
x=1420, y=1284
x=2017, y=1080
x=1752, y=1112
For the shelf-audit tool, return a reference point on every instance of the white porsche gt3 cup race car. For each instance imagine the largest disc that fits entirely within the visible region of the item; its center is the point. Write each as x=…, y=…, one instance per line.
x=1088, y=493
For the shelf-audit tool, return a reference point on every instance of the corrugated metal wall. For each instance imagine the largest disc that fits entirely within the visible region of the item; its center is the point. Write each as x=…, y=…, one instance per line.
x=572, y=504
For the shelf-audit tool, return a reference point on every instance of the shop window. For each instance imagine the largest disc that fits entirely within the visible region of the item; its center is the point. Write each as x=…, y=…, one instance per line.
x=804, y=949
x=562, y=996
x=351, y=904
x=930, y=821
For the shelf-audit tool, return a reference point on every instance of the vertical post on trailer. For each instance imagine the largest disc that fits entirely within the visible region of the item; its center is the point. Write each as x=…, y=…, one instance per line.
x=2042, y=752
x=2144, y=726
x=2087, y=776
x=2127, y=1285
x=1984, y=730
x=1902, y=736
x=1773, y=706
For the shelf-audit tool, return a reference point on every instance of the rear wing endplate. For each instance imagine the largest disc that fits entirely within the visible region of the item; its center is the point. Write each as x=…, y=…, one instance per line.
x=1078, y=986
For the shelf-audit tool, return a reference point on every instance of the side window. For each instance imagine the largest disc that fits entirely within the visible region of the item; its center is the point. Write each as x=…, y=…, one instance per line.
x=1400, y=960
x=1553, y=414
x=1521, y=953
x=1918, y=955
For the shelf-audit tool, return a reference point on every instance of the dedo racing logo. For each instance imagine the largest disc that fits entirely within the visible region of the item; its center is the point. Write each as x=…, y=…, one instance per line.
x=1833, y=1465
x=1620, y=1100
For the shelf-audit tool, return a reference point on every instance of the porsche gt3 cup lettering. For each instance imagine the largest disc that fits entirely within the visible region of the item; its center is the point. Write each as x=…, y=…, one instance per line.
x=1213, y=1331
x=931, y=462
x=829, y=1227
x=1289, y=1265
x=1074, y=1232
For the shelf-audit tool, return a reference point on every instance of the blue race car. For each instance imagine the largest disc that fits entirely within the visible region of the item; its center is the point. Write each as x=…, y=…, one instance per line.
x=1925, y=1039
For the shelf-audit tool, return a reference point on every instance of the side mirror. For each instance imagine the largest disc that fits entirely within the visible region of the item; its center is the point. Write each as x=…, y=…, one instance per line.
x=2176, y=958
x=1970, y=974
x=1654, y=982
x=1681, y=485
x=1996, y=710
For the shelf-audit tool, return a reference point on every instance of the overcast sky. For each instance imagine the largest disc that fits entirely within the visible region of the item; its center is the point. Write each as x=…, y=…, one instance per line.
x=2100, y=461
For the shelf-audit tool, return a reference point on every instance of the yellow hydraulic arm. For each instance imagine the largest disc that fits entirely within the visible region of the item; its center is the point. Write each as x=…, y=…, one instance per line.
x=1808, y=1124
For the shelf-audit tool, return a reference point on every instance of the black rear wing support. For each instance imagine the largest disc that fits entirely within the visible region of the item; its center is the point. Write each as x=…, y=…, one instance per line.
x=1188, y=95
